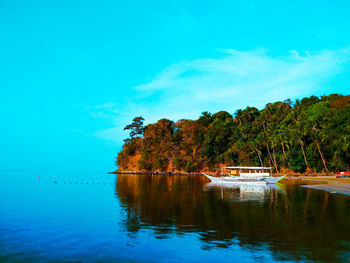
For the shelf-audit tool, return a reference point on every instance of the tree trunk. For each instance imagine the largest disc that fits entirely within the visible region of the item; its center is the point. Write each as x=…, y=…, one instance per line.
x=274, y=158
x=267, y=147
x=268, y=150
x=259, y=157
x=322, y=157
x=284, y=152
x=302, y=148
x=194, y=152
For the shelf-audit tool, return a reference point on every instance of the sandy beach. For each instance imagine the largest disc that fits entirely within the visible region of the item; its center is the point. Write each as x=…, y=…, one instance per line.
x=326, y=183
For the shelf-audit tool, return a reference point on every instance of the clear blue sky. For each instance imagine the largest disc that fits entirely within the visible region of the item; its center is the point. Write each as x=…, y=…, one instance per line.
x=74, y=73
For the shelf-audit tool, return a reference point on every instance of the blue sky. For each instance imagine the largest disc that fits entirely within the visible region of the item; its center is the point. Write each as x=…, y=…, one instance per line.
x=74, y=73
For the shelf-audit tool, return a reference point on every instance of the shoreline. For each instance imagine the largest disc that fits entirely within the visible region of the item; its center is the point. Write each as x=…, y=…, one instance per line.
x=328, y=183
x=155, y=173
x=292, y=176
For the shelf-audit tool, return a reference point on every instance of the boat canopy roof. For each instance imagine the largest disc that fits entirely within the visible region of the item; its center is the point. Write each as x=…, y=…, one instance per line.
x=248, y=167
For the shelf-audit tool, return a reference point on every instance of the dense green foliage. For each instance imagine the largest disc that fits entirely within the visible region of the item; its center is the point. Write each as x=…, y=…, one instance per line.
x=312, y=133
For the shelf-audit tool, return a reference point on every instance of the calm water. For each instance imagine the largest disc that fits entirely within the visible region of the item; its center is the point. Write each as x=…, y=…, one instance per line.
x=91, y=217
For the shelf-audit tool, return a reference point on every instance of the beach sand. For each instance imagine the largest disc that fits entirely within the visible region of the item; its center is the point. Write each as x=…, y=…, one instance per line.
x=326, y=183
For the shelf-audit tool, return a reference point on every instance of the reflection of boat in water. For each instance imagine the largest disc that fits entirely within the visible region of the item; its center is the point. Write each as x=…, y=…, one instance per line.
x=247, y=175
x=245, y=187
x=243, y=191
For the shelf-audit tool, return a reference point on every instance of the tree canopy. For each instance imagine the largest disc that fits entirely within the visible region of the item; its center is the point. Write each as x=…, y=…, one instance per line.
x=310, y=134
x=136, y=127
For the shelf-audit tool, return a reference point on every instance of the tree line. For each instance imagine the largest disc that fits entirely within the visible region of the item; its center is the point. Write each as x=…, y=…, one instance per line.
x=308, y=135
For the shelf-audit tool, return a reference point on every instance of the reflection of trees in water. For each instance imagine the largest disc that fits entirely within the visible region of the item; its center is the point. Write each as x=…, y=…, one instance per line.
x=293, y=223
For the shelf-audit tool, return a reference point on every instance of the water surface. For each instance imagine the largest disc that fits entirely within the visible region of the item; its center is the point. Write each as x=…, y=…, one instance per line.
x=96, y=217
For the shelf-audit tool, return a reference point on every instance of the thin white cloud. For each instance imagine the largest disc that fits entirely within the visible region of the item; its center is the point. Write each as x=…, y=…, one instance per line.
x=234, y=80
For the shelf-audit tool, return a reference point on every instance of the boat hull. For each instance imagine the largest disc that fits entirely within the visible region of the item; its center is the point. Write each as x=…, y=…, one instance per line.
x=268, y=180
x=274, y=180
x=233, y=180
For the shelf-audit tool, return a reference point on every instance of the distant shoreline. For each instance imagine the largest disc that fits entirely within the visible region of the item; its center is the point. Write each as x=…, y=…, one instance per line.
x=155, y=173
x=294, y=175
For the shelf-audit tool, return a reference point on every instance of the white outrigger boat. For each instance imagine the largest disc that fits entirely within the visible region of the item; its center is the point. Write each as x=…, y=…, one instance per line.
x=246, y=174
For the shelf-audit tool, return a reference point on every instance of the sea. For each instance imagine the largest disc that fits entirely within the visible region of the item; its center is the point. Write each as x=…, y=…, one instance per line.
x=100, y=217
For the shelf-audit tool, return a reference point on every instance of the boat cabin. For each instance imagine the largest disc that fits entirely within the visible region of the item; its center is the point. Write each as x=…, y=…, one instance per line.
x=248, y=172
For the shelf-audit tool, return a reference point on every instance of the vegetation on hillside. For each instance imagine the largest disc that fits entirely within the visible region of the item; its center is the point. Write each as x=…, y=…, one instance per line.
x=312, y=134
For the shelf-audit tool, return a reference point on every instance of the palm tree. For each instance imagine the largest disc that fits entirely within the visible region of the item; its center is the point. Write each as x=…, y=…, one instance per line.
x=318, y=136
x=283, y=141
x=345, y=141
x=296, y=134
x=254, y=146
x=267, y=146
